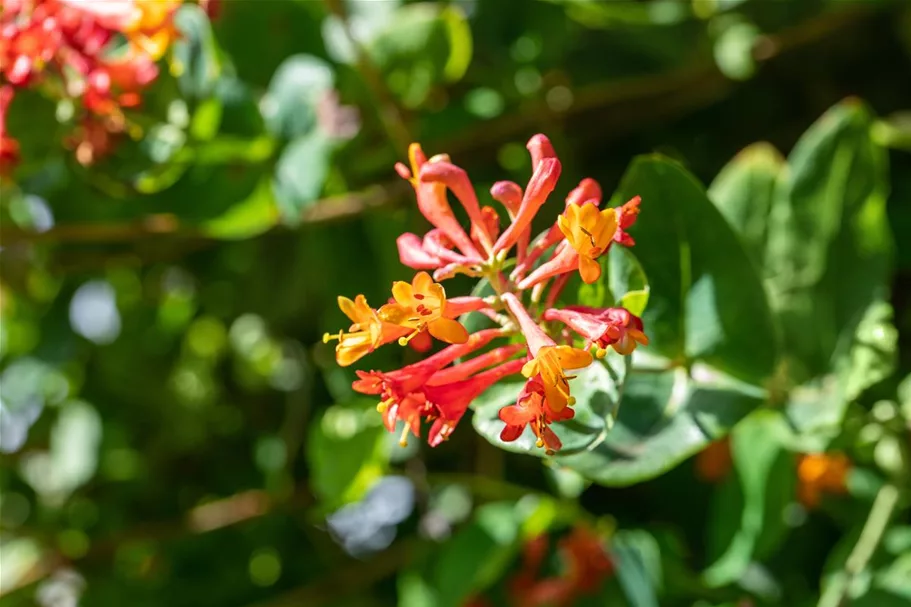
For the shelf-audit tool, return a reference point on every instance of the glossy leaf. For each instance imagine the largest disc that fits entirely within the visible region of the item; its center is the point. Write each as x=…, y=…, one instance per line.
x=829, y=245
x=597, y=390
x=664, y=418
x=743, y=192
x=702, y=282
x=638, y=566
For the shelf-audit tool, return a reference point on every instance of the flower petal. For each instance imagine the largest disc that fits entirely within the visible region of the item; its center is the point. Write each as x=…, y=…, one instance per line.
x=448, y=330
x=589, y=269
x=573, y=358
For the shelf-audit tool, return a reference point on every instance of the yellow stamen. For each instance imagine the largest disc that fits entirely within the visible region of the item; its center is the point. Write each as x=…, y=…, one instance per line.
x=385, y=404
x=403, y=441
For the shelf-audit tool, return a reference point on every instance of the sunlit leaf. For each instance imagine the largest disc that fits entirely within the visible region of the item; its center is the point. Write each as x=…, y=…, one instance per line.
x=743, y=192
x=701, y=280
x=829, y=245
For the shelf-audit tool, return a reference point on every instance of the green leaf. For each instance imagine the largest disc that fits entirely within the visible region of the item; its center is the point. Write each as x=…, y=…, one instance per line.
x=829, y=247
x=765, y=477
x=196, y=56
x=346, y=452
x=298, y=85
x=628, y=282
x=474, y=558
x=300, y=173
x=597, y=391
x=665, y=417
x=421, y=46
x=743, y=192
x=861, y=361
x=733, y=48
x=250, y=217
x=702, y=282
x=638, y=560
x=478, y=554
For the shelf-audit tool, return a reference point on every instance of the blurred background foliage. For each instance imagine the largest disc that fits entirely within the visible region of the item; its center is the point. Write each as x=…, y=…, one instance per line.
x=173, y=431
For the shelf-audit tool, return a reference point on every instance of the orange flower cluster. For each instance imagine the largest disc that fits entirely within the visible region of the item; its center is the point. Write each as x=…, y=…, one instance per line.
x=437, y=389
x=585, y=566
x=101, y=52
x=820, y=473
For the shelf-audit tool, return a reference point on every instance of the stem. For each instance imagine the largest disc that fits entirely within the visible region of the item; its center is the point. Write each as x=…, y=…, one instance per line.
x=870, y=536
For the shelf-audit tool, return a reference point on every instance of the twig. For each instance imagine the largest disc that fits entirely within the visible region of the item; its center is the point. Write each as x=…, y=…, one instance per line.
x=870, y=536
x=333, y=208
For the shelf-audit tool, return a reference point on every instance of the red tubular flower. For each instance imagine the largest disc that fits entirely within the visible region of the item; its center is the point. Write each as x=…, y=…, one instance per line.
x=476, y=364
x=487, y=230
x=542, y=183
x=9, y=147
x=531, y=408
x=626, y=217
x=413, y=254
x=395, y=386
x=549, y=361
x=509, y=194
x=588, y=191
x=456, y=179
x=432, y=203
x=603, y=328
x=564, y=260
x=451, y=401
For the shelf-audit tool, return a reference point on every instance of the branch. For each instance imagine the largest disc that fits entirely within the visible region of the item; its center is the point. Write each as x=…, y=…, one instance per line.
x=167, y=225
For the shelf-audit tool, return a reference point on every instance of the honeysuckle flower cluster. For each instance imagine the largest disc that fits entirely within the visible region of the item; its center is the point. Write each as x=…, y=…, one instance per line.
x=532, y=336
x=100, y=52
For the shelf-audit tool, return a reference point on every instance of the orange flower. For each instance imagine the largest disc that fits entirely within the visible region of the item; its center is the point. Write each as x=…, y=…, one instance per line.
x=819, y=473
x=550, y=363
x=589, y=232
x=714, y=462
x=422, y=305
x=367, y=332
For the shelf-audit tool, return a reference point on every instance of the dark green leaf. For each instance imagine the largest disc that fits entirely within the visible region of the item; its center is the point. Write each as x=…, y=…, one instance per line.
x=638, y=562
x=664, y=418
x=743, y=192
x=765, y=475
x=702, y=282
x=829, y=245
